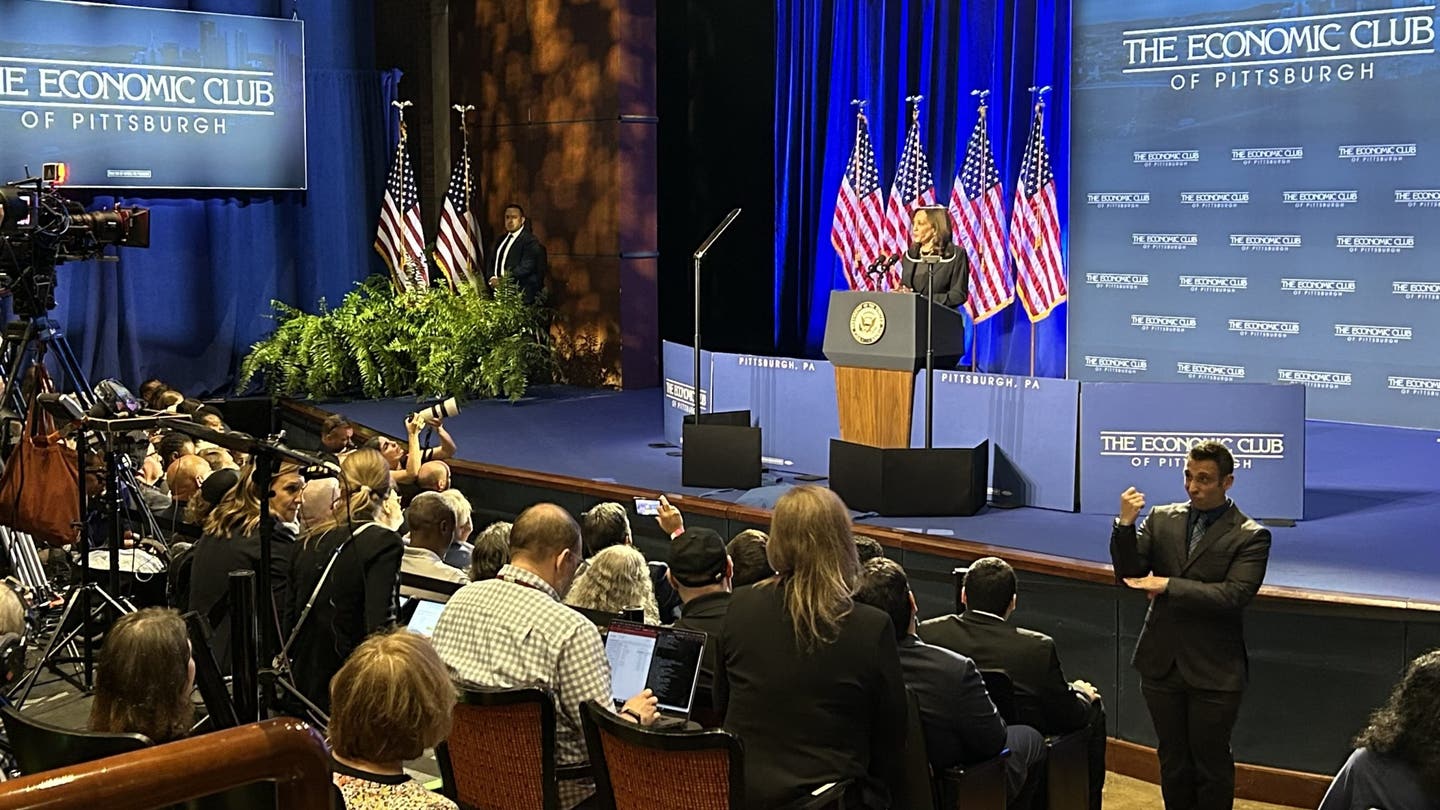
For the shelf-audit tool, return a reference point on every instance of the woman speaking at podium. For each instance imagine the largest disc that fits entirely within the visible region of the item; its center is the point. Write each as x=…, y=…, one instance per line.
x=932, y=250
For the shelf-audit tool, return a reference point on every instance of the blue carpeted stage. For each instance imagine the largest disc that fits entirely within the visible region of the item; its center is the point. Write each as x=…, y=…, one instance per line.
x=1372, y=494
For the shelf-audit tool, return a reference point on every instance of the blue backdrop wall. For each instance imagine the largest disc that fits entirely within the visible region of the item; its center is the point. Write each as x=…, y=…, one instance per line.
x=188, y=308
x=831, y=51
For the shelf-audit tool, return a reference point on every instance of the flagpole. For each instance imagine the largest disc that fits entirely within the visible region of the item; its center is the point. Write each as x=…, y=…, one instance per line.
x=403, y=253
x=1039, y=93
x=975, y=327
x=466, y=273
x=856, y=263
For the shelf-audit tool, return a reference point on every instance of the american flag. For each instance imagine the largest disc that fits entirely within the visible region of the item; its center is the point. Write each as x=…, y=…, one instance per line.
x=858, y=230
x=978, y=213
x=914, y=187
x=1035, y=229
x=457, y=248
x=400, y=238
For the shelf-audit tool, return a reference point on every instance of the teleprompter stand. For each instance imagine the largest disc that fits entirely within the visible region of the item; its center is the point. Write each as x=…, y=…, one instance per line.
x=717, y=449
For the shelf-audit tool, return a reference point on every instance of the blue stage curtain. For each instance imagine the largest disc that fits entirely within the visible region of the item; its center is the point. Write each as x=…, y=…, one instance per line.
x=832, y=51
x=188, y=308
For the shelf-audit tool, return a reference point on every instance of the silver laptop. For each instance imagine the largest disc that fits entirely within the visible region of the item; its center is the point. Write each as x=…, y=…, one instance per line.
x=664, y=660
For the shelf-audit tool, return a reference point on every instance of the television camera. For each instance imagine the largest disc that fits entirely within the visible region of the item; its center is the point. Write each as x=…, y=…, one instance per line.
x=40, y=228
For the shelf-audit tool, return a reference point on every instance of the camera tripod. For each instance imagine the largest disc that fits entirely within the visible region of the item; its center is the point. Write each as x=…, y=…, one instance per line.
x=88, y=603
x=23, y=346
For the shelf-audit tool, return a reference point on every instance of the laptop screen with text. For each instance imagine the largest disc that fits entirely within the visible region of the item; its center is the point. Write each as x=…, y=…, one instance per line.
x=662, y=659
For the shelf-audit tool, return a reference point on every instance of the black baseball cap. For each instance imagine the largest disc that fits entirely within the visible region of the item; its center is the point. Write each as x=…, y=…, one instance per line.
x=697, y=558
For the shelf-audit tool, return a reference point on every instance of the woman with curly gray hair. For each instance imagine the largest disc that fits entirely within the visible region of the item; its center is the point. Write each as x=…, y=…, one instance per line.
x=616, y=579
x=1396, y=762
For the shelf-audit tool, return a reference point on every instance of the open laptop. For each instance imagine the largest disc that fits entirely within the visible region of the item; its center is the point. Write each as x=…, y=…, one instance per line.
x=663, y=659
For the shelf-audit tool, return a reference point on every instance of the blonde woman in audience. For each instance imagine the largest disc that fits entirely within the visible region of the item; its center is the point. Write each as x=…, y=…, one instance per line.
x=360, y=592
x=616, y=579
x=390, y=701
x=809, y=679
x=144, y=678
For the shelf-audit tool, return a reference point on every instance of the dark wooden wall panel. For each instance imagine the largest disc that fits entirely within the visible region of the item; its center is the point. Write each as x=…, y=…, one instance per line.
x=551, y=80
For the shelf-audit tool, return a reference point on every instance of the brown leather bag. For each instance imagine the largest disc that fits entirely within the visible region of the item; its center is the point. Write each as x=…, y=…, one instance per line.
x=40, y=487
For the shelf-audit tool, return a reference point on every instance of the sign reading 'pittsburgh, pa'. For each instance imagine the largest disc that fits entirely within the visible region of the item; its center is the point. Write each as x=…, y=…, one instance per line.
x=149, y=98
x=1256, y=198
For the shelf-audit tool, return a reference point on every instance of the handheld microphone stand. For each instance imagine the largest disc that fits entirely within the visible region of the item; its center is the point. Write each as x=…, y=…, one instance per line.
x=253, y=701
x=930, y=262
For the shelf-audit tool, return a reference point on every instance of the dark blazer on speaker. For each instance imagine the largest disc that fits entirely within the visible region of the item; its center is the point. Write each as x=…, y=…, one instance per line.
x=952, y=275
x=1197, y=624
x=1043, y=698
x=809, y=718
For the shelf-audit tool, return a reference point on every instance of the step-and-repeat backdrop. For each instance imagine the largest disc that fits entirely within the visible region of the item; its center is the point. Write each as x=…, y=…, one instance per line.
x=1255, y=197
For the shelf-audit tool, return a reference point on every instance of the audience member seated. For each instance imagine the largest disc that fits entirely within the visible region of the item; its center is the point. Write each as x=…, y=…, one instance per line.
x=604, y=525
x=868, y=548
x=151, y=478
x=150, y=390
x=608, y=524
x=359, y=592
x=336, y=437
x=211, y=417
x=616, y=579
x=491, y=551
x=747, y=555
x=144, y=677
x=513, y=631
x=172, y=446
x=184, y=477
x=321, y=496
x=1396, y=762
x=808, y=679
x=700, y=572
x=231, y=542
x=12, y=613
x=202, y=503
x=961, y=724
x=392, y=700
x=458, y=554
x=169, y=400
x=1043, y=698
x=218, y=457
x=432, y=526
x=434, y=476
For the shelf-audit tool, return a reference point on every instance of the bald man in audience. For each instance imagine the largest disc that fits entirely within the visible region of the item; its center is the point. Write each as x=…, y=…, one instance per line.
x=184, y=477
x=434, y=476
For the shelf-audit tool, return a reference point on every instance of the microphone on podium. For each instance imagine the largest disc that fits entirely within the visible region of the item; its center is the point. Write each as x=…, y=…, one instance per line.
x=882, y=264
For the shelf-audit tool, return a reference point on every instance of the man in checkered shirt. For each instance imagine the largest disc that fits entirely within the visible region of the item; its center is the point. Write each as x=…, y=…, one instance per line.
x=513, y=631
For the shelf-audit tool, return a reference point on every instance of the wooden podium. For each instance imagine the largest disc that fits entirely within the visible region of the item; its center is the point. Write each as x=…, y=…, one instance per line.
x=876, y=341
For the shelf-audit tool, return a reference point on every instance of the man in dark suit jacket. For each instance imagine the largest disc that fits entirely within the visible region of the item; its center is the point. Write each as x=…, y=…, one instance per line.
x=1043, y=698
x=961, y=723
x=1200, y=564
x=519, y=255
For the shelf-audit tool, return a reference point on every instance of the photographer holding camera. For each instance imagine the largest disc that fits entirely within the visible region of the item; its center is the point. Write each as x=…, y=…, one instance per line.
x=405, y=462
